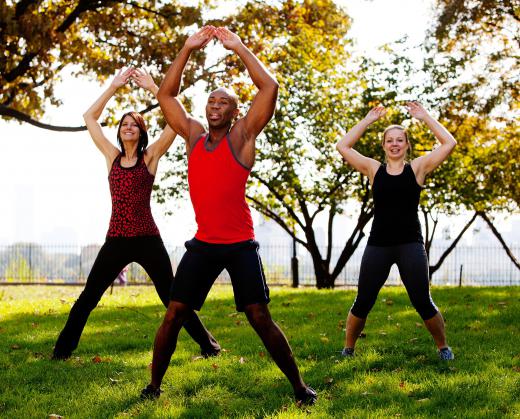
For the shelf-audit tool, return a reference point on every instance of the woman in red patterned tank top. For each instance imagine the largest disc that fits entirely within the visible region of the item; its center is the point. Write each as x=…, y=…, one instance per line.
x=132, y=235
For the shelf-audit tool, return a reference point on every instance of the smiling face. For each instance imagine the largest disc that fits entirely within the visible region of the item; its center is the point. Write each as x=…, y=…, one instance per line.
x=222, y=107
x=395, y=143
x=132, y=128
x=129, y=129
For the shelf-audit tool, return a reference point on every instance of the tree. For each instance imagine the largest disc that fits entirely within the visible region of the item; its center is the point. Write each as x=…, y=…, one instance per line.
x=93, y=38
x=472, y=53
x=299, y=176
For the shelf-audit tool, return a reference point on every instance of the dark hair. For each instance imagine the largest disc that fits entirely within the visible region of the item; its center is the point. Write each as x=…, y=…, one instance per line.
x=143, y=134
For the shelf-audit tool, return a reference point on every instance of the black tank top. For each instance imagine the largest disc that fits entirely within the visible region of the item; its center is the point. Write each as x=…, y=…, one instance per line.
x=396, y=201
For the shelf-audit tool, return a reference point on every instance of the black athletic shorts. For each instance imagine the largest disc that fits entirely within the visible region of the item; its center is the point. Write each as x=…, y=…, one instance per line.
x=203, y=262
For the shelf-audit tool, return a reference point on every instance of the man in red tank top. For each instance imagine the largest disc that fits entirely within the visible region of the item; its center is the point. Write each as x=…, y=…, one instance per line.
x=219, y=163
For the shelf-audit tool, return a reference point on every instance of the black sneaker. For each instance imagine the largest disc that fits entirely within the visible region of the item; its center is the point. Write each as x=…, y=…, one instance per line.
x=212, y=351
x=150, y=392
x=305, y=396
x=60, y=356
x=347, y=353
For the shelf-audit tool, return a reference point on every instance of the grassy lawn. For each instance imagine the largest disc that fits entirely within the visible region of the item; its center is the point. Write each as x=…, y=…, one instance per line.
x=396, y=372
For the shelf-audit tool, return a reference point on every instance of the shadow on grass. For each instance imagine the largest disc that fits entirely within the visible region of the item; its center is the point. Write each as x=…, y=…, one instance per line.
x=396, y=370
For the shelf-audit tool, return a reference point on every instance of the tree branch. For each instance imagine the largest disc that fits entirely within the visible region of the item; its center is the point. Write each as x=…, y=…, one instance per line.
x=275, y=217
x=280, y=199
x=452, y=246
x=484, y=216
x=8, y=112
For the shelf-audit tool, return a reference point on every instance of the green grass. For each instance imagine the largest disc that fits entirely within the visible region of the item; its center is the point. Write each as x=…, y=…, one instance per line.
x=396, y=372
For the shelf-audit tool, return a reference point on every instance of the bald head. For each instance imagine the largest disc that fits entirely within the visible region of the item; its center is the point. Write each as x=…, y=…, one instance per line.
x=224, y=92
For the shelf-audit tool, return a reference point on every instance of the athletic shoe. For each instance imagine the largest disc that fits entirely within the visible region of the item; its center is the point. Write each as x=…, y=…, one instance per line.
x=347, y=352
x=60, y=356
x=305, y=396
x=445, y=354
x=150, y=392
x=207, y=353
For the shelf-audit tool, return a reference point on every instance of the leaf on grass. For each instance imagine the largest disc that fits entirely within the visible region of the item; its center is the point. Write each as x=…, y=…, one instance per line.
x=329, y=380
x=63, y=300
x=311, y=315
x=150, y=366
x=418, y=325
x=389, y=302
x=238, y=322
x=241, y=360
x=423, y=400
x=97, y=359
x=516, y=368
x=196, y=357
x=15, y=346
x=214, y=366
x=234, y=314
x=55, y=416
x=402, y=384
x=34, y=324
x=261, y=354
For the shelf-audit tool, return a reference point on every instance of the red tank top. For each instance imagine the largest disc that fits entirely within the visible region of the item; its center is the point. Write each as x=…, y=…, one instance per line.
x=217, y=182
x=131, y=189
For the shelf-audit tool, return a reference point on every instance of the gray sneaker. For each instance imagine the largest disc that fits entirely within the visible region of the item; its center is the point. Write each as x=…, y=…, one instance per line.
x=446, y=354
x=347, y=352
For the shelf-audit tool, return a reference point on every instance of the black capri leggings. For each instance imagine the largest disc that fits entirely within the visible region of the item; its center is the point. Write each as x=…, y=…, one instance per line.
x=413, y=267
x=114, y=255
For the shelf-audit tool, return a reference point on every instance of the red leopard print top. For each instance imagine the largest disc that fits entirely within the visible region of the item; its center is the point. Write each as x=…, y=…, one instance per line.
x=131, y=189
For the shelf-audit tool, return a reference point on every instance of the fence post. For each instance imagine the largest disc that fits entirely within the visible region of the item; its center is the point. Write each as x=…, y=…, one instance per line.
x=460, y=276
x=294, y=267
x=30, y=263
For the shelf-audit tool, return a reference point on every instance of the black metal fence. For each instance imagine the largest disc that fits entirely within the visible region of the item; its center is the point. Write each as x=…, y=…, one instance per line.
x=70, y=264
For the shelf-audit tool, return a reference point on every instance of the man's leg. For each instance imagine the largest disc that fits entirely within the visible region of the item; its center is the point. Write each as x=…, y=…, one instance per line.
x=166, y=340
x=153, y=257
x=110, y=260
x=276, y=343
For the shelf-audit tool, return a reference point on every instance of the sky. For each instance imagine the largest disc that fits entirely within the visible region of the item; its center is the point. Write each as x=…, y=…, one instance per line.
x=54, y=185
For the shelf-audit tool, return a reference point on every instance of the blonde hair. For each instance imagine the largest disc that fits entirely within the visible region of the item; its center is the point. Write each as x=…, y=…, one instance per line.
x=403, y=129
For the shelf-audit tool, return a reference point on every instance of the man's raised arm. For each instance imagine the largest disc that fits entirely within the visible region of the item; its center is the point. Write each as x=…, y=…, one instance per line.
x=264, y=102
x=171, y=106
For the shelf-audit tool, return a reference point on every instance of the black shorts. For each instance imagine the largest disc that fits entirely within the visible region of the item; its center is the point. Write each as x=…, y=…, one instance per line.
x=203, y=262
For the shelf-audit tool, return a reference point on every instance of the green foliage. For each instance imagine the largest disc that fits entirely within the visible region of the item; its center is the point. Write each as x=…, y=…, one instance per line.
x=395, y=372
x=40, y=39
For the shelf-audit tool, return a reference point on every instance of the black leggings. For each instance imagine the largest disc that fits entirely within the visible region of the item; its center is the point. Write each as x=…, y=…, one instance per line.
x=413, y=267
x=113, y=256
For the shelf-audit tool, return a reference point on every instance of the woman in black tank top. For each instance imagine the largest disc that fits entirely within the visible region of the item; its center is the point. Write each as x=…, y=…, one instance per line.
x=396, y=236
x=132, y=235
